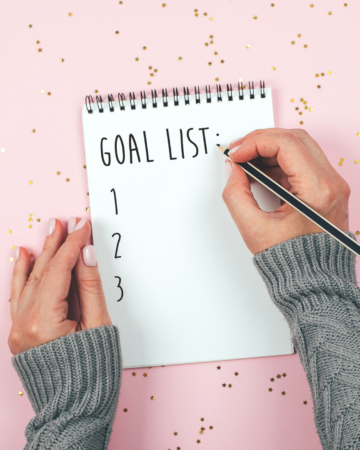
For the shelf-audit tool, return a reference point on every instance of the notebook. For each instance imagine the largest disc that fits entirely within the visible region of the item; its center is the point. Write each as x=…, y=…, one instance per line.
x=178, y=278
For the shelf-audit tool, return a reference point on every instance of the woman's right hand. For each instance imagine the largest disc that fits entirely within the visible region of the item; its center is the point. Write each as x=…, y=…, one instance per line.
x=294, y=160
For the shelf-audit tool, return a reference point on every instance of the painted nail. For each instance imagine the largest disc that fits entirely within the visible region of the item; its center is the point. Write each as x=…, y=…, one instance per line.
x=89, y=255
x=71, y=224
x=17, y=253
x=228, y=168
x=80, y=224
x=234, y=149
x=51, y=226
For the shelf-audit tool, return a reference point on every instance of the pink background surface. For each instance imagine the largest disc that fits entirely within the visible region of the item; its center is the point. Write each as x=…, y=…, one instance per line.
x=95, y=57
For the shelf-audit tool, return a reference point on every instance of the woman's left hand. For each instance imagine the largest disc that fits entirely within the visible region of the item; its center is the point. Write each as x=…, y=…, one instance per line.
x=38, y=300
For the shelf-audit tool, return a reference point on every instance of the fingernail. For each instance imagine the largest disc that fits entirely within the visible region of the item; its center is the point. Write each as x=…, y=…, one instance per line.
x=80, y=224
x=233, y=142
x=51, y=226
x=228, y=168
x=17, y=253
x=71, y=224
x=89, y=255
x=234, y=149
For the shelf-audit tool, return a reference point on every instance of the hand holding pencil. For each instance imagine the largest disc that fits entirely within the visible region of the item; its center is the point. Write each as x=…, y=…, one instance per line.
x=295, y=161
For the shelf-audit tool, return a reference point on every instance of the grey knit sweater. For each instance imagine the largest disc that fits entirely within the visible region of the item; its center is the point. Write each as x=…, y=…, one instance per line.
x=73, y=382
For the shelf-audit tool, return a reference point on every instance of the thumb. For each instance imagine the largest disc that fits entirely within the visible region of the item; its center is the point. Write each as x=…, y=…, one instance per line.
x=239, y=198
x=90, y=292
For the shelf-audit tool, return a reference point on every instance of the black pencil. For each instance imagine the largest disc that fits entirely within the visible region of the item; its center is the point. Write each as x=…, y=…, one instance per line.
x=296, y=203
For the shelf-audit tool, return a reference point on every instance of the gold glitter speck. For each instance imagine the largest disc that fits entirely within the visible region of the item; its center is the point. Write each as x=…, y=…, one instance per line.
x=329, y=72
x=125, y=410
x=274, y=68
x=163, y=5
x=12, y=259
x=270, y=389
x=345, y=4
x=255, y=17
x=38, y=220
x=149, y=82
x=62, y=60
x=70, y=14
x=311, y=6
x=272, y=4
x=292, y=100
x=30, y=226
x=34, y=131
x=211, y=19
x=330, y=13
x=3, y=150
x=144, y=48
x=305, y=46
x=318, y=86
x=20, y=393
x=30, y=182
x=180, y=58
x=283, y=393
x=222, y=61
x=38, y=42
x=299, y=35
x=215, y=53
x=136, y=59
x=305, y=402
x=30, y=26
x=247, y=45
x=205, y=14
x=293, y=42
x=58, y=173
x=152, y=398
x=39, y=49
x=356, y=161
x=342, y=159
x=216, y=79
x=206, y=44
x=311, y=109
x=8, y=231
x=116, y=32
x=87, y=209
x=68, y=179
x=175, y=433
x=301, y=123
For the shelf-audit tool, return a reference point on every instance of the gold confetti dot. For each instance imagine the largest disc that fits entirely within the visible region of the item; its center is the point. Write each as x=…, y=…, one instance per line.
x=216, y=79
x=70, y=14
x=356, y=161
x=240, y=79
x=3, y=150
x=236, y=374
x=211, y=42
x=8, y=231
x=301, y=123
x=58, y=173
x=211, y=36
x=67, y=179
x=270, y=389
x=311, y=109
x=180, y=58
x=247, y=45
x=38, y=220
x=152, y=397
x=30, y=220
x=198, y=441
x=144, y=48
x=329, y=72
x=30, y=226
x=299, y=35
x=34, y=131
x=229, y=385
x=49, y=93
x=210, y=63
x=150, y=67
x=116, y=32
x=274, y=68
x=215, y=53
x=342, y=159
x=300, y=113
x=293, y=42
x=87, y=209
x=163, y=5
x=305, y=107
x=272, y=4
x=211, y=18
x=292, y=100
x=125, y=410
x=175, y=433
x=195, y=10
x=297, y=108
x=211, y=427
x=38, y=42
x=84, y=167
x=206, y=44
x=149, y=82
x=311, y=6
x=345, y=4
x=155, y=70
x=11, y=259
x=13, y=247
x=62, y=60
x=318, y=86
x=340, y=163
x=305, y=402
x=305, y=46
x=20, y=393
x=136, y=59
x=255, y=17
x=322, y=74
x=317, y=75
x=330, y=13
x=39, y=49
x=120, y=3
x=283, y=393
x=87, y=193
x=30, y=182
x=30, y=26
x=205, y=14
x=196, y=15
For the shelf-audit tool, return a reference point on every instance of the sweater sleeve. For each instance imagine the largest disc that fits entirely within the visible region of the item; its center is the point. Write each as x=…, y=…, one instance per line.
x=73, y=384
x=312, y=280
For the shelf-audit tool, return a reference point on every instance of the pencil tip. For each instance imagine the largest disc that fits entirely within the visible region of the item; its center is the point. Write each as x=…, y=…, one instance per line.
x=218, y=145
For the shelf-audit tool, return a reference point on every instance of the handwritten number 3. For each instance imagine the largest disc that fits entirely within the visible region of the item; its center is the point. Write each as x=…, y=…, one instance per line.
x=121, y=289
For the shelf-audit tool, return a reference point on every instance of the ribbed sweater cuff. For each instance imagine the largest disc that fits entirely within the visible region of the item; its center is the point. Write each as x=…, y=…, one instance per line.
x=76, y=375
x=305, y=264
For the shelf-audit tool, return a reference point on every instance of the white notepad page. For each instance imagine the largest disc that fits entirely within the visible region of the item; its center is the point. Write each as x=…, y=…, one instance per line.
x=190, y=291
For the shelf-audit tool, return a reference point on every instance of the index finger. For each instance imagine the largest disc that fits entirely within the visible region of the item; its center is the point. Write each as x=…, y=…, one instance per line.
x=292, y=155
x=56, y=279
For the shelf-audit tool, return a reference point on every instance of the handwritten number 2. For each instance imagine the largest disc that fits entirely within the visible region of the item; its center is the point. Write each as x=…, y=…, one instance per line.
x=117, y=245
x=121, y=289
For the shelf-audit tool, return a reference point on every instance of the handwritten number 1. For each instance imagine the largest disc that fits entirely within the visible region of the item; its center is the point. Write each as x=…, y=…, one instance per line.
x=121, y=289
x=116, y=208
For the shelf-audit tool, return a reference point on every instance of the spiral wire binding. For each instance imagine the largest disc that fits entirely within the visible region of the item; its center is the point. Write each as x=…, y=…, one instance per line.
x=121, y=97
x=154, y=98
x=143, y=99
x=111, y=102
x=164, y=95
